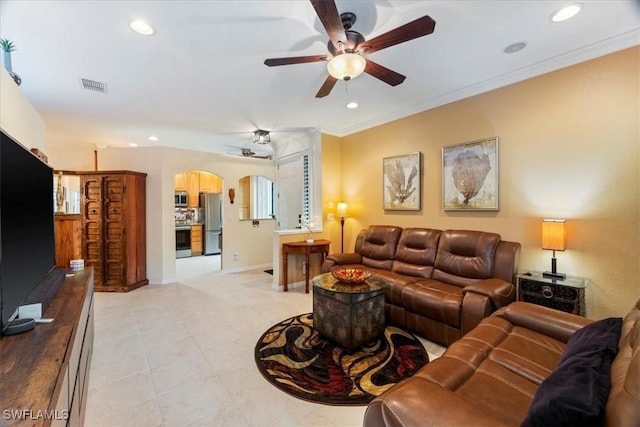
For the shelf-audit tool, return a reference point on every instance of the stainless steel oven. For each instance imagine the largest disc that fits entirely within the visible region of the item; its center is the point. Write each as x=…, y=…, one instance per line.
x=183, y=241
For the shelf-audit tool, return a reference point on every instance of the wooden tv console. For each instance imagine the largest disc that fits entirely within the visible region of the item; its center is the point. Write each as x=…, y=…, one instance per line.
x=44, y=373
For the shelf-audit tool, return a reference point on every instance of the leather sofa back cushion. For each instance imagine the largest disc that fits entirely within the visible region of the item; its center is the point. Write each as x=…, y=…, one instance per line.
x=623, y=406
x=416, y=252
x=379, y=246
x=465, y=254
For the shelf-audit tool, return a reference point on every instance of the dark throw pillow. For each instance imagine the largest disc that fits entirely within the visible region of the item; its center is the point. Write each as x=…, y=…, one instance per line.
x=576, y=392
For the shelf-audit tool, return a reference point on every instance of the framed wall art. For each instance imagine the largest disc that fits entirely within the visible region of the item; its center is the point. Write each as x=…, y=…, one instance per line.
x=402, y=179
x=470, y=176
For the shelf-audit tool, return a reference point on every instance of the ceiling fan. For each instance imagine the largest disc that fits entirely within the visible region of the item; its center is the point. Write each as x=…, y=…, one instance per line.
x=348, y=48
x=247, y=152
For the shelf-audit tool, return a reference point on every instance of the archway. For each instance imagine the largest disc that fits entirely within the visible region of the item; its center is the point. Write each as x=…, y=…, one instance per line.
x=198, y=222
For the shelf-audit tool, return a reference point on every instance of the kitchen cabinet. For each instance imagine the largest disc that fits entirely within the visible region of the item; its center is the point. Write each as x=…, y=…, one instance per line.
x=181, y=181
x=244, y=198
x=193, y=188
x=114, y=228
x=210, y=183
x=68, y=238
x=194, y=182
x=196, y=239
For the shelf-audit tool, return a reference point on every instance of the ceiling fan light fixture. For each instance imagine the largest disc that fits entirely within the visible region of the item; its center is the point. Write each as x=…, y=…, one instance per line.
x=261, y=136
x=346, y=66
x=352, y=105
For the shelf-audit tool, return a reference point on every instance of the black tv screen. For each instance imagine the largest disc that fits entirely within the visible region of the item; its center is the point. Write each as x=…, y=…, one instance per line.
x=27, y=245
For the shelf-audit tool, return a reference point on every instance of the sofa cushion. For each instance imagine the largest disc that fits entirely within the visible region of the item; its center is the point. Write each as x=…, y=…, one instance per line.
x=623, y=406
x=379, y=246
x=435, y=300
x=416, y=252
x=576, y=392
x=465, y=256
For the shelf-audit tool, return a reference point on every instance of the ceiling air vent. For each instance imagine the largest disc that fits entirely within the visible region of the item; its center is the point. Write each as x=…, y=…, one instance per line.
x=94, y=85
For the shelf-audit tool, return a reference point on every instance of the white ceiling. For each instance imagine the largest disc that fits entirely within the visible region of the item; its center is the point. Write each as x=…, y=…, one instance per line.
x=200, y=81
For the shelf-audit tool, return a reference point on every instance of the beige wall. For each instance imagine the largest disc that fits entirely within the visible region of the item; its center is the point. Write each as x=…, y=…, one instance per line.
x=569, y=148
x=18, y=118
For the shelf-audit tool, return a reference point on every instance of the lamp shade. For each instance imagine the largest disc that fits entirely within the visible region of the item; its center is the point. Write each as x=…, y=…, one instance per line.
x=554, y=234
x=346, y=66
x=341, y=210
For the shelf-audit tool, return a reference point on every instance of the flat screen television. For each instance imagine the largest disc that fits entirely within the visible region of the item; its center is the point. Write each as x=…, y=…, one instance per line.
x=27, y=244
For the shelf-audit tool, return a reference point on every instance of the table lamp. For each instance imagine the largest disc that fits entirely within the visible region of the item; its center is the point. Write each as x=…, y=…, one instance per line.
x=341, y=210
x=554, y=238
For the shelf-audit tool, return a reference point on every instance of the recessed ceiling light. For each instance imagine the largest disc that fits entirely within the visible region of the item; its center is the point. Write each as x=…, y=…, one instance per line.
x=131, y=144
x=566, y=12
x=141, y=27
x=515, y=47
x=153, y=138
x=352, y=105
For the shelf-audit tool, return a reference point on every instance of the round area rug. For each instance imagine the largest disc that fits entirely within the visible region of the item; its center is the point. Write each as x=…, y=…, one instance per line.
x=295, y=358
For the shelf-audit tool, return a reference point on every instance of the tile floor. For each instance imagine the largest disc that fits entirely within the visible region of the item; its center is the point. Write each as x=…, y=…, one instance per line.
x=182, y=354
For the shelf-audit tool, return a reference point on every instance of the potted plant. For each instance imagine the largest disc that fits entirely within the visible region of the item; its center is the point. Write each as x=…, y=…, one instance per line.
x=7, y=47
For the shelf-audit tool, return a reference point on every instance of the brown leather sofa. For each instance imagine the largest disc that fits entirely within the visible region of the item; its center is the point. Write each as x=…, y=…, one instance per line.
x=440, y=283
x=491, y=375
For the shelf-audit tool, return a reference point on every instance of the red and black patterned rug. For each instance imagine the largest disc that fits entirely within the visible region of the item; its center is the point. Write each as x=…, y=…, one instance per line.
x=295, y=358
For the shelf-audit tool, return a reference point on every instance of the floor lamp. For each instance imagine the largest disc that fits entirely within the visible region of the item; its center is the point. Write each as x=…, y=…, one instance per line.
x=342, y=212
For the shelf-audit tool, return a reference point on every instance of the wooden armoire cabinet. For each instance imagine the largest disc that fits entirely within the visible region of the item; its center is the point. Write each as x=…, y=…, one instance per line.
x=114, y=229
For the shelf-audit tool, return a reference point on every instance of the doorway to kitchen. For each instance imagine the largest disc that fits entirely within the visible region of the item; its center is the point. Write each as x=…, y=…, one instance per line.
x=198, y=223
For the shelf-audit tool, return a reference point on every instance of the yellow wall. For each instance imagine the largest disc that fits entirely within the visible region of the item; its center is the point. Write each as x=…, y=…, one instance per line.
x=568, y=148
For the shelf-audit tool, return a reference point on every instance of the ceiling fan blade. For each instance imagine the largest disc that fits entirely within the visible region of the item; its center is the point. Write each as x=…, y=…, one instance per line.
x=388, y=76
x=328, y=84
x=272, y=62
x=412, y=30
x=330, y=19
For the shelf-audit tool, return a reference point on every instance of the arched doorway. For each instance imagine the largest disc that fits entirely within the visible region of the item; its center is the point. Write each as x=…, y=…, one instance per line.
x=198, y=222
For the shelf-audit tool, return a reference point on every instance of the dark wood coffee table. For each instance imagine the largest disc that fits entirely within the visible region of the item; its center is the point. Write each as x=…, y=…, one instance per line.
x=350, y=315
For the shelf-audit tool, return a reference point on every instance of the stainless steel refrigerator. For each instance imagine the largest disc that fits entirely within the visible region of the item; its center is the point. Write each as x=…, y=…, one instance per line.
x=211, y=215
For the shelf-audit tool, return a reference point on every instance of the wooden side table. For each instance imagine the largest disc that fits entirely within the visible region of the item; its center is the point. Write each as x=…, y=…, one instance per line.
x=565, y=295
x=318, y=246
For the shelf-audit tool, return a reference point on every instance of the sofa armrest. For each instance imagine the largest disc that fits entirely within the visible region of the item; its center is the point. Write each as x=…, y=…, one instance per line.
x=554, y=323
x=420, y=402
x=340, y=259
x=499, y=291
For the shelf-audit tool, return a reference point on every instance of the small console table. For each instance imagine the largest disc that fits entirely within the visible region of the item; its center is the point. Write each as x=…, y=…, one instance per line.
x=318, y=246
x=565, y=295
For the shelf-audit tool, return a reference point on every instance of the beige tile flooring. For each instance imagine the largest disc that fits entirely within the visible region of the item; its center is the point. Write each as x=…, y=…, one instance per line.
x=182, y=354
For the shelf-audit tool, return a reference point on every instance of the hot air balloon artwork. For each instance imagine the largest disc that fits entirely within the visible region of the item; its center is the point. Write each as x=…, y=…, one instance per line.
x=470, y=176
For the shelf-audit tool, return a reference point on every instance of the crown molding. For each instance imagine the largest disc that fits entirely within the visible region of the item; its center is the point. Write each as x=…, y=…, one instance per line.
x=567, y=59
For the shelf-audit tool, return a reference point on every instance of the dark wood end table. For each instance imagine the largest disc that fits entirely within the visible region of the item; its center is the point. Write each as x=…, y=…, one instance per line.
x=318, y=246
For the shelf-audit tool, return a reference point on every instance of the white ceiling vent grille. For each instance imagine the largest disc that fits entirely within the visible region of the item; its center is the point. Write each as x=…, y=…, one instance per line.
x=94, y=85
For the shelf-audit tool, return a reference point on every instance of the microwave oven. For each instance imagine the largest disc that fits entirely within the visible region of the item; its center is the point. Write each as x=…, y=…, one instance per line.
x=182, y=198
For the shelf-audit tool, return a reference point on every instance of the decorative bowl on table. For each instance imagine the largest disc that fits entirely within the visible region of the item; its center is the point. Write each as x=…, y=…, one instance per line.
x=351, y=275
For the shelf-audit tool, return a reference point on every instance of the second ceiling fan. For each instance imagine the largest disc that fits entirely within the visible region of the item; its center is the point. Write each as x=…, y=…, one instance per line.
x=348, y=48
